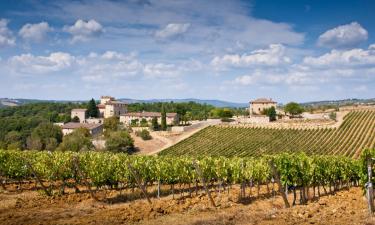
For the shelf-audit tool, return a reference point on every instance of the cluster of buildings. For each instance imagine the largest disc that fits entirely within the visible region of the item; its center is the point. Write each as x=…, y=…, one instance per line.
x=109, y=107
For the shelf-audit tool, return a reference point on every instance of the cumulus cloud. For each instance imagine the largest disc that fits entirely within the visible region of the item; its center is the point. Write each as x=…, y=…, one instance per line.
x=84, y=30
x=172, y=30
x=272, y=56
x=35, y=32
x=6, y=37
x=343, y=58
x=344, y=36
x=31, y=64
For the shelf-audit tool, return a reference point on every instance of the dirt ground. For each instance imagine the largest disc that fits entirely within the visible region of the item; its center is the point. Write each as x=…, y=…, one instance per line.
x=33, y=207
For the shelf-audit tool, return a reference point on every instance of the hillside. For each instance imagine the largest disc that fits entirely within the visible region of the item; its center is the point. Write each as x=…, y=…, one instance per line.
x=357, y=132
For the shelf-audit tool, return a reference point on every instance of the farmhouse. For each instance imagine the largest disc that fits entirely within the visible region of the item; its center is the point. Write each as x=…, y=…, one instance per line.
x=109, y=107
x=172, y=118
x=80, y=113
x=258, y=105
x=95, y=129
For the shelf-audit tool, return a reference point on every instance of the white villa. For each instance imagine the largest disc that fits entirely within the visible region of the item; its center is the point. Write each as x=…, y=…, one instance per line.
x=126, y=118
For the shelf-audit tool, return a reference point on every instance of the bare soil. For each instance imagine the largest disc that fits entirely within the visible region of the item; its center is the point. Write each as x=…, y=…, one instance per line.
x=33, y=207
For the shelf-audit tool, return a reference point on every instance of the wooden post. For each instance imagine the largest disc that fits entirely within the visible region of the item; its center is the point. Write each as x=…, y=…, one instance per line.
x=277, y=179
x=204, y=183
x=138, y=180
x=369, y=187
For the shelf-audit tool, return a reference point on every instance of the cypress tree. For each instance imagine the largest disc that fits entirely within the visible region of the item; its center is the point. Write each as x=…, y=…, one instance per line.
x=92, y=110
x=163, y=118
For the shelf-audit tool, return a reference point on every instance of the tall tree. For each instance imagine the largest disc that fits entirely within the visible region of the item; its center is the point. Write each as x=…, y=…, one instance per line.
x=154, y=123
x=92, y=109
x=163, y=119
x=272, y=113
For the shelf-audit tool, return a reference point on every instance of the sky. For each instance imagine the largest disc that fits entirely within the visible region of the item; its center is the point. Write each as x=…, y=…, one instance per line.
x=292, y=50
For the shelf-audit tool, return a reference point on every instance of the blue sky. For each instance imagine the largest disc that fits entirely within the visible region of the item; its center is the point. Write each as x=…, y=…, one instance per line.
x=291, y=50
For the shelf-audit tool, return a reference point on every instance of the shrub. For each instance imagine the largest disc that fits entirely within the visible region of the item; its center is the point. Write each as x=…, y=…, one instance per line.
x=144, y=134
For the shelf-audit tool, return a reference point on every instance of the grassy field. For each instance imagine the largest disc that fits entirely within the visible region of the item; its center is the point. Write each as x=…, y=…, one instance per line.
x=356, y=133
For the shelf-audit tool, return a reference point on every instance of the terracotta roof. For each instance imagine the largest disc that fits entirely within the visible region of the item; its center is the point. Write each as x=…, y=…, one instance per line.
x=100, y=106
x=148, y=114
x=72, y=125
x=106, y=96
x=115, y=102
x=79, y=110
x=263, y=100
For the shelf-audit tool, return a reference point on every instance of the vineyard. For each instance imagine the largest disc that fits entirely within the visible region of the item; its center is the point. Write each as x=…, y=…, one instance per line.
x=92, y=171
x=356, y=133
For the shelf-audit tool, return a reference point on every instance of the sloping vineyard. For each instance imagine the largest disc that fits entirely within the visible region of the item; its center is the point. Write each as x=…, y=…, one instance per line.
x=356, y=133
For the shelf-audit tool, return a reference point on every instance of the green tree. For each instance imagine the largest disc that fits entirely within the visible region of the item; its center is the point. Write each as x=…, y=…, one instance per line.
x=78, y=140
x=163, y=119
x=144, y=122
x=144, y=134
x=271, y=113
x=75, y=119
x=48, y=135
x=154, y=123
x=13, y=140
x=119, y=141
x=92, y=109
x=111, y=124
x=293, y=108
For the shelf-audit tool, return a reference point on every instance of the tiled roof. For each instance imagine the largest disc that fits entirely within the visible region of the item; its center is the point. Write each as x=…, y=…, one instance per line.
x=72, y=125
x=79, y=110
x=148, y=114
x=263, y=100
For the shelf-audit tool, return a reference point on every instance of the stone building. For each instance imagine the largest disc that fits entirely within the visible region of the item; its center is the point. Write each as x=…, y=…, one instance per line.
x=258, y=105
x=80, y=113
x=109, y=107
x=94, y=129
x=126, y=118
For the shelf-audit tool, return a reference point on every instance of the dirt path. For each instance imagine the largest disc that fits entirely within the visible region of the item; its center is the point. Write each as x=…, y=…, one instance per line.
x=30, y=207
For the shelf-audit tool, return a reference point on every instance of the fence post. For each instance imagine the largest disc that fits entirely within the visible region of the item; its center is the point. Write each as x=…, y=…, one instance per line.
x=369, y=186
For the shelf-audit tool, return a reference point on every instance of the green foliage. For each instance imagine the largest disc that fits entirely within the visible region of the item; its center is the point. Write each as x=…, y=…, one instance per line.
x=155, y=124
x=25, y=118
x=111, y=124
x=222, y=113
x=353, y=135
x=75, y=119
x=144, y=134
x=332, y=116
x=272, y=113
x=92, y=109
x=293, y=108
x=119, y=141
x=47, y=136
x=110, y=169
x=163, y=119
x=78, y=140
x=144, y=122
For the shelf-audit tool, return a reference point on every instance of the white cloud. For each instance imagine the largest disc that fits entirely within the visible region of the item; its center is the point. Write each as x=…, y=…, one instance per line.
x=6, y=37
x=35, y=32
x=343, y=58
x=343, y=36
x=83, y=31
x=172, y=30
x=30, y=64
x=272, y=56
x=161, y=70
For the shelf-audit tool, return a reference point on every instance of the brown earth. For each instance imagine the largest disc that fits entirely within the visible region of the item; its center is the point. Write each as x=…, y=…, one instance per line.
x=33, y=207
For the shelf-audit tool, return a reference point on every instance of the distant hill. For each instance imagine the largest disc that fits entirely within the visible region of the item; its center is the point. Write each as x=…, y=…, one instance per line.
x=216, y=103
x=343, y=102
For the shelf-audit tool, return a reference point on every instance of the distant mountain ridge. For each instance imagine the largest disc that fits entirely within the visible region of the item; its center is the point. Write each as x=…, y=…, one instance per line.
x=216, y=103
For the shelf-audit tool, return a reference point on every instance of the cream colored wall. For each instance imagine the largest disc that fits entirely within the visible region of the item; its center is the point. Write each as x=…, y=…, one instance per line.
x=81, y=115
x=114, y=110
x=257, y=108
